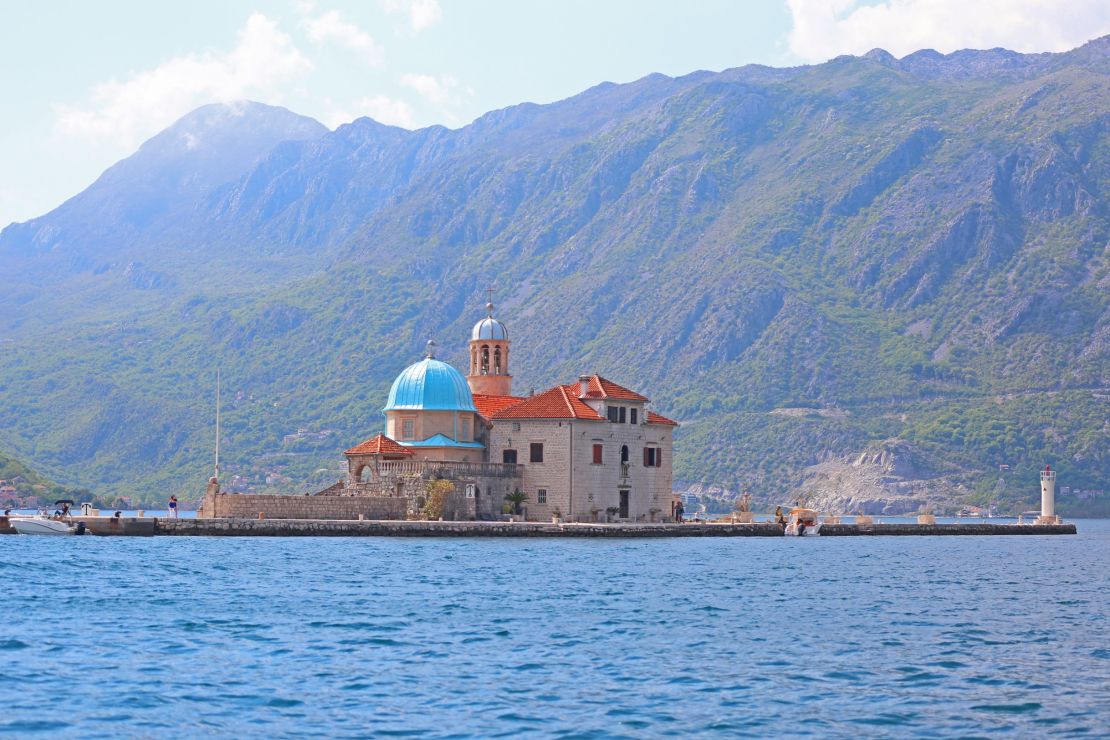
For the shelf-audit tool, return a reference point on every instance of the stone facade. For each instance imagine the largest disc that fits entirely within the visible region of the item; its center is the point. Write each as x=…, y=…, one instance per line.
x=249, y=506
x=576, y=486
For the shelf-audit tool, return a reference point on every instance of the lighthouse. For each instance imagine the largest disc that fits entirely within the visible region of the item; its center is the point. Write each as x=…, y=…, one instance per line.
x=1048, y=497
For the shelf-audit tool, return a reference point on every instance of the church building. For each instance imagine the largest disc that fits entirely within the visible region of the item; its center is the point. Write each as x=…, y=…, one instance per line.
x=588, y=451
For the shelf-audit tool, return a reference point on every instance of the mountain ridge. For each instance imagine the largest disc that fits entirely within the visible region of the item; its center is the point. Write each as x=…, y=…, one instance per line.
x=853, y=238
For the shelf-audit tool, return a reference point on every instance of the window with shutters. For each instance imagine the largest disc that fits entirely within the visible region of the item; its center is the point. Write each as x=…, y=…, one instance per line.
x=614, y=414
x=621, y=415
x=535, y=452
x=632, y=415
x=597, y=454
x=508, y=457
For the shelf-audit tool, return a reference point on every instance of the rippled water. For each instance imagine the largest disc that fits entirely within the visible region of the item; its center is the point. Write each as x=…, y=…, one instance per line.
x=348, y=637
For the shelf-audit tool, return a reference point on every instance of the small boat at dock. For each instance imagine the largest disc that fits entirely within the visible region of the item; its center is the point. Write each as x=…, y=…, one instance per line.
x=802, y=522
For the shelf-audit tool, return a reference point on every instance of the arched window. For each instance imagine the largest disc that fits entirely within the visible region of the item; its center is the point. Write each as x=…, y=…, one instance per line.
x=624, y=453
x=365, y=473
x=496, y=360
x=485, y=360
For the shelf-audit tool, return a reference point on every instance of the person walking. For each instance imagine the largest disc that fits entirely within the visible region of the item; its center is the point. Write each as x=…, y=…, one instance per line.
x=173, y=506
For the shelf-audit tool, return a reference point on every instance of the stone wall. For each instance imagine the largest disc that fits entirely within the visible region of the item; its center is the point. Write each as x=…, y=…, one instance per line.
x=578, y=488
x=249, y=506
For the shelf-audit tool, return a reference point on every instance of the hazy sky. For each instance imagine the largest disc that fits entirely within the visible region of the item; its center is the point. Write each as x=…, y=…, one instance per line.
x=86, y=82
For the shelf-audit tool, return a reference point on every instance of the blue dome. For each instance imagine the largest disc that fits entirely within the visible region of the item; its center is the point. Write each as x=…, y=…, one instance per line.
x=430, y=385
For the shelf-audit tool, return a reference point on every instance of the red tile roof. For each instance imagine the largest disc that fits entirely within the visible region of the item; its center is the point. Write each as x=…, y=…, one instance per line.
x=379, y=445
x=654, y=418
x=560, y=402
x=600, y=387
x=489, y=405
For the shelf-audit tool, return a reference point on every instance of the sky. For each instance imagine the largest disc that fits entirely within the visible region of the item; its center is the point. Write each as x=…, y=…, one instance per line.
x=85, y=83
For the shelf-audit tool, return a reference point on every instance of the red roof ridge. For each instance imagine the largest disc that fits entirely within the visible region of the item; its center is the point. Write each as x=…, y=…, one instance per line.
x=654, y=418
x=379, y=444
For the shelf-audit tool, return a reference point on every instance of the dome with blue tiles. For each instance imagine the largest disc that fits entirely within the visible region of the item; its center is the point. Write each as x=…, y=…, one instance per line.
x=430, y=385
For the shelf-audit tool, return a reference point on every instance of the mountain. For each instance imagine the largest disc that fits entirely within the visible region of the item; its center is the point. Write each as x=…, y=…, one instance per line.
x=894, y=263
x=138, y=226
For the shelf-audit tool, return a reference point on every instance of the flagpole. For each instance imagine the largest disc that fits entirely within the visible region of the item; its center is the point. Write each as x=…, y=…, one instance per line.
x=217, y=471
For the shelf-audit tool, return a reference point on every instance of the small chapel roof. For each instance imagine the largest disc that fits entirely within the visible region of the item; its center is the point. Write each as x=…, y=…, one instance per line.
x=379, y=445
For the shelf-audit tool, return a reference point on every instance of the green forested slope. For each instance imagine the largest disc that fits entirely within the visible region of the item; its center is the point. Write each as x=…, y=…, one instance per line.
x=798, y=264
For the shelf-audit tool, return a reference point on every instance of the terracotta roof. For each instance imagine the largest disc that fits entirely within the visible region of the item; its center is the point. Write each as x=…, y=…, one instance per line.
x=600, y=387
x=654, y=418
x=379, y=445
x=560, y=402
x=488, y=405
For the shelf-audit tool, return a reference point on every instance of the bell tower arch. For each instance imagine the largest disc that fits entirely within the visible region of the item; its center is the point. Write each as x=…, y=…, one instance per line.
x=489, y=356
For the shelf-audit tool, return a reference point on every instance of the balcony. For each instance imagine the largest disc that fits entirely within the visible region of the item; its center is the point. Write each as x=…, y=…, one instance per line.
x=446, y=469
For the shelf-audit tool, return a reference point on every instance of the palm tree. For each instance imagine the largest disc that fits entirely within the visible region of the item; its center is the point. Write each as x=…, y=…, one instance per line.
x=516, y=498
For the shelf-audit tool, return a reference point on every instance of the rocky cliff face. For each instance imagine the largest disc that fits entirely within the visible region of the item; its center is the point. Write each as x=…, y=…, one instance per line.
x=890, y=478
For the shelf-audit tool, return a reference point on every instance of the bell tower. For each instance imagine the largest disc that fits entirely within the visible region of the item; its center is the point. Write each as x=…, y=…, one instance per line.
x=489, y=356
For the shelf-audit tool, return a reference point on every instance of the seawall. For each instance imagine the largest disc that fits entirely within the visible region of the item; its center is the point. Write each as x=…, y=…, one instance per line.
x=356, y=528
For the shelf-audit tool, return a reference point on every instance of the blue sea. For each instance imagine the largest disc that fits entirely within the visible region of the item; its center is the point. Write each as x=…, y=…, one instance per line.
x=911, y=636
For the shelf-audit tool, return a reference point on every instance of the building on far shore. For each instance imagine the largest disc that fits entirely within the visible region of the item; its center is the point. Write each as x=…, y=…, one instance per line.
x=591, y=450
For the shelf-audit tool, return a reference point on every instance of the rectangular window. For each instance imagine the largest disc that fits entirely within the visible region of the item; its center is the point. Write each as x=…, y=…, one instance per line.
x=508, y=457
x=541, y=496
x=408, y=428
x=464, y=430
x=597, y=454
x=535, y=452
x=622, y=410
x=470, y=490
x=613, y=414
x=653, y=457
x=648, y=457
x=658, y=457
x=516, y=426
x=632, y=415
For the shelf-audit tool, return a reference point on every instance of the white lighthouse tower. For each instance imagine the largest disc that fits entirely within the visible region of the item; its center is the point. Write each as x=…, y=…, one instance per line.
x=1048, y=497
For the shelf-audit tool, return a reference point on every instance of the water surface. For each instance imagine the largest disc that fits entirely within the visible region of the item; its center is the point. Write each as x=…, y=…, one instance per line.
x=450, y=637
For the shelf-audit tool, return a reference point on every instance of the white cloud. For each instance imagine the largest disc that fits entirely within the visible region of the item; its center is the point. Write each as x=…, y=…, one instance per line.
x=421, y=13
x=331, y=27
x=263, y=61
x=826, y=28
x=436, y=90
x=383, y=109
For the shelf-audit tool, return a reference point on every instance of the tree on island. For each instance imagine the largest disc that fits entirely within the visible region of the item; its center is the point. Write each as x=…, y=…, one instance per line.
x=515, y=499
x=437, y=493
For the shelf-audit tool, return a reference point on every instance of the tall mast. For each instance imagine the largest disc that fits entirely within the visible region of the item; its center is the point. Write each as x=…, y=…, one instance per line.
x=217, y=471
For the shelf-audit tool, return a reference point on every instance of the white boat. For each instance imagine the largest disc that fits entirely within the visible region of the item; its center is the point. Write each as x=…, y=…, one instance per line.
x=43, y=524
x=802, y=522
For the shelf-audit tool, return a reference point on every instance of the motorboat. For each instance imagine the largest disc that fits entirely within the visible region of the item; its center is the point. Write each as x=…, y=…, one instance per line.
x=802, y=522
x=41, y=523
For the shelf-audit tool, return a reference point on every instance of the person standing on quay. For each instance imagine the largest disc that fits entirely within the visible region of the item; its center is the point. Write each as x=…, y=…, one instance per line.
x=173, y=506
